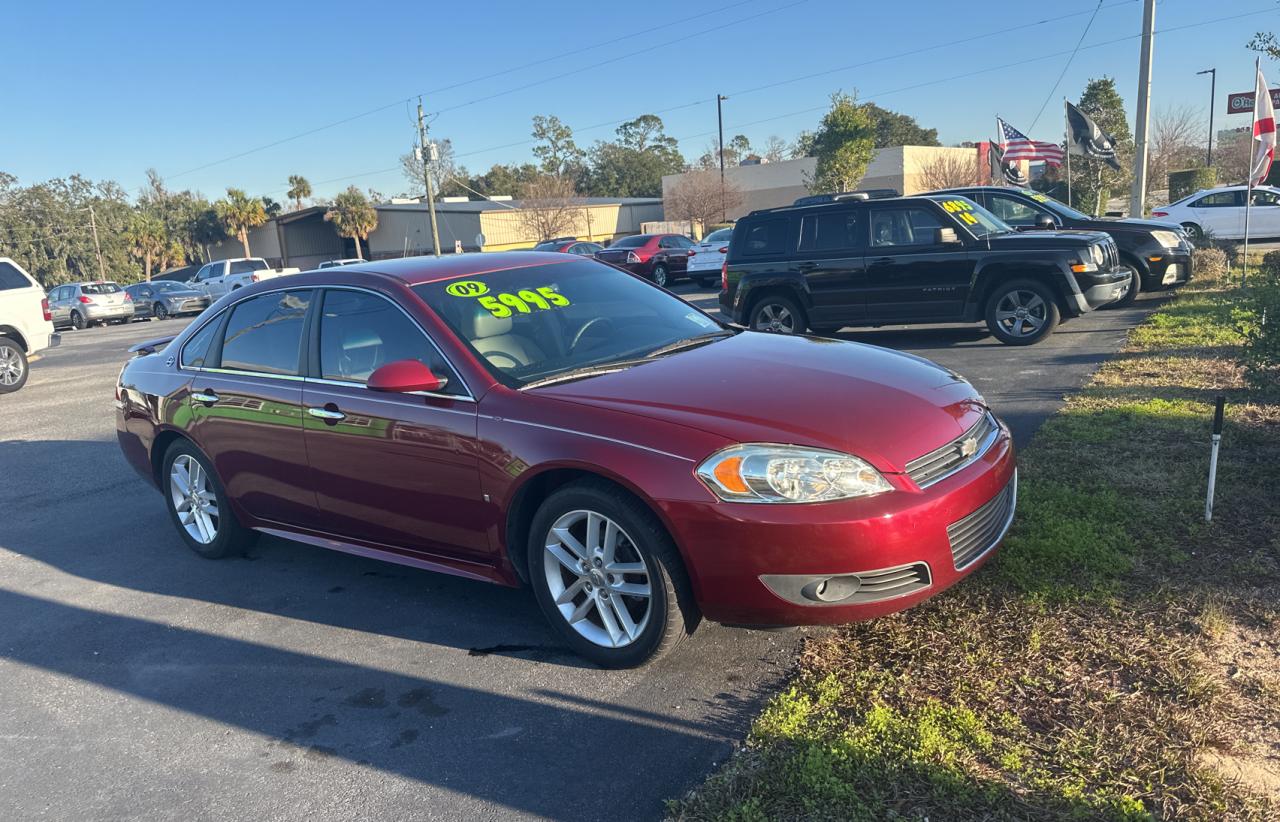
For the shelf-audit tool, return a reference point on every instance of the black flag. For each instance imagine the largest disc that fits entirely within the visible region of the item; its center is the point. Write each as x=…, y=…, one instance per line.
x=1004, y=172
x=1085, y=139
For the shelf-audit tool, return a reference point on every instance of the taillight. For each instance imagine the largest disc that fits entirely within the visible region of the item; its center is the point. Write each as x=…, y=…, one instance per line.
x=1159, y=214
x=128, y=297
x=44, y=306
x=724, y=276
x=633, y=257
x=254, y=277
x=724, y=250
x=692, y=252
x=85, y=300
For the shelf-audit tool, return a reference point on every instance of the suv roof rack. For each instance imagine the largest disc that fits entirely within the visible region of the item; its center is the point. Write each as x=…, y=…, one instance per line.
x=867, y=194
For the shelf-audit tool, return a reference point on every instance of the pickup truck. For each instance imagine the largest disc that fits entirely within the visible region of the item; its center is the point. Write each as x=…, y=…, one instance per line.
x=224, y=276
x=25, y=324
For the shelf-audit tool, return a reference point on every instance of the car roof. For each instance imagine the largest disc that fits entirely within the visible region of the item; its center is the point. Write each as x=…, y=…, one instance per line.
x=847, y=203
x=419, y=270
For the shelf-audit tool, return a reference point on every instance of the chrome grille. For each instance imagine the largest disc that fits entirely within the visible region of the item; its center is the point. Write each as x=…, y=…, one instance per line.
x=978, y=533
x=945, y=461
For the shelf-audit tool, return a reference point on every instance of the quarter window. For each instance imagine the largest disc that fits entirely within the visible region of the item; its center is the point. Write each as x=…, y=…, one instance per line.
x=765, y=237
x=264, y=333
x=11, y=277
x=830, y=231
x=361, y=332
x=195, y=353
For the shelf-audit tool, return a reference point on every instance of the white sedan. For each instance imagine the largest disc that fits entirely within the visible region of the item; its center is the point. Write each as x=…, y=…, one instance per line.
x=706, y=257
x=1220, y=212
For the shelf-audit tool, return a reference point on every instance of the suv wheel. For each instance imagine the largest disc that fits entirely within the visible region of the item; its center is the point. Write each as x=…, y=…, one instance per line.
x=13, y=366
x=777, y=314
x=198, y=505
x=1135, y=288
x=608, y=577
x=660, y=275
x=1022, y=312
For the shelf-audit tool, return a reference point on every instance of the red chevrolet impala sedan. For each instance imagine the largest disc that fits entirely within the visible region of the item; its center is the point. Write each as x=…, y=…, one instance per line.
x=528, y=419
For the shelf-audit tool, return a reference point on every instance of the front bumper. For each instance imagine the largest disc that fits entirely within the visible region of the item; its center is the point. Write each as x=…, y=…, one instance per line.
x=1099, y=288
x=760, y=564
x=1169, y=269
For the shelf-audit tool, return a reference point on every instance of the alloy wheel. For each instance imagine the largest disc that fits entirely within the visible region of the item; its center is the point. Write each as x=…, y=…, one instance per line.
x=598, y=579
x=161, y=312
x=660, y=276
x=194, y=499
x=77, y=321
x=776, y=318
x=11, y=366
x=1022, y=313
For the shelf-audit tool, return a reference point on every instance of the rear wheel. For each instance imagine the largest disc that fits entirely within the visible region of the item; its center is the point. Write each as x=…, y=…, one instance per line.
x=608, y=577
x=160, y=312
x=1022, y=312
x=660, y=275
x=198, y=505
x=1194, y=232
x=77, y=321
x=777, y=314
x=13, y=366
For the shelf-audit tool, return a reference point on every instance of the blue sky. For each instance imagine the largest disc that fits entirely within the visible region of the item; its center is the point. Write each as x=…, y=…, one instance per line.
x=108, y=90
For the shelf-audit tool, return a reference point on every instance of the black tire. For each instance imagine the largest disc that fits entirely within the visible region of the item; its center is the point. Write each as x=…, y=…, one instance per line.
x=77, y=321
x=1135, y=288
x=1194, y=232
x=777, y=314
x=707, y=282
x=659, y=275
x=13, y=366
x=673, y=614
x=827, y=330
x=1011, y=331
x=232, y=538
x=159, y=311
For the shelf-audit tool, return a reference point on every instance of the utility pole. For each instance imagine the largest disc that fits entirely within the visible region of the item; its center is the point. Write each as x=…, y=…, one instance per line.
x=1138, y=195
x=720, y=98
x=93, y=223
x=426, y=179
x=1213, y=94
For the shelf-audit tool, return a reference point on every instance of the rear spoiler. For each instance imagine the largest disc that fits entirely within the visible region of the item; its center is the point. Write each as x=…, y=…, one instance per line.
x=151, y=346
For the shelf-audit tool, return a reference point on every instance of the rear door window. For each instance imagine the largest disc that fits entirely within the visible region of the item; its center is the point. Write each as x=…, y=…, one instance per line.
x=1219, y=199
x=11, y=277
x=831, y=231
x=264, y=333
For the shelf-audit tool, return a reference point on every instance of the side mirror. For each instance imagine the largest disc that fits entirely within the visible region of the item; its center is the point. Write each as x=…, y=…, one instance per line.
x=945, y=236
x=1044, y=221
x=403, y=377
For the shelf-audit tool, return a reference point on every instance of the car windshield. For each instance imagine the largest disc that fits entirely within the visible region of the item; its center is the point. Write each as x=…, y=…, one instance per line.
x=721, y=236
x=168, y=286
x=1056, y=206
x=632, y=242
x=542, y=322
x=100, y=288
x=976, y=220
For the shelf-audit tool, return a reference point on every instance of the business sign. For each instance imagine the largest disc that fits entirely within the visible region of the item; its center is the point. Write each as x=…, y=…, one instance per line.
x=1242, y=102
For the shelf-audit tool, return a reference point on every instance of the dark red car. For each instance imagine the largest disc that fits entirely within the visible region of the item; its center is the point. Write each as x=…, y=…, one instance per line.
x=570, y=245
x=662, y=258
x=523, y=418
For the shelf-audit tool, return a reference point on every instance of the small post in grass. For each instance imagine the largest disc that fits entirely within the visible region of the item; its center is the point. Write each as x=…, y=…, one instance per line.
x=1213, y=456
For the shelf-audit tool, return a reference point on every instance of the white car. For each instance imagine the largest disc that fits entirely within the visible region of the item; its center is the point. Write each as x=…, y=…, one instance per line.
x=336, y=263
x=25, y=324
x=706, y=258
x=1220, y=212
x=224, y=276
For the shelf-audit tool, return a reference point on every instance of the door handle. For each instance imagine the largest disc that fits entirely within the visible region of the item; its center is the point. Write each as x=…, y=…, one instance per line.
x=207, y=397
x=326, y=414
x=882, y=261
x=807, y=266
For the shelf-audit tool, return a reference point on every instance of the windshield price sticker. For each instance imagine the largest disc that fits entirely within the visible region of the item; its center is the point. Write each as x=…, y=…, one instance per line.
x=506, y=303
x=960, y=209
x=1039, y=198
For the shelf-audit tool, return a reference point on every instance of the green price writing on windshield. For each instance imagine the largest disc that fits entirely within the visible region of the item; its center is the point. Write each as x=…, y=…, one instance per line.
x=956, y=206
x=1040, y=198
x=524, y=301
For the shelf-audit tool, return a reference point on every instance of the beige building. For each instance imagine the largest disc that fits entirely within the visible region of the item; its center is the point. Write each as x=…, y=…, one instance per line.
x=304, y=239
x=770, y=185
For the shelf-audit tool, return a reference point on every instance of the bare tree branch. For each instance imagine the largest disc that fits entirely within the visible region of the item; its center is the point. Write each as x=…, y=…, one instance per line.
x=697, y=198
x=549, y=209
x=949, y=170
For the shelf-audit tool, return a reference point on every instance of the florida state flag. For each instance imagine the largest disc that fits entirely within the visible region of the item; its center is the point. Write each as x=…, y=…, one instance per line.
x=1264, y=133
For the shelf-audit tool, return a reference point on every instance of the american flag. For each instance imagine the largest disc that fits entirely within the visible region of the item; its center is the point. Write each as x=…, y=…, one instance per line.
x=1018, y=146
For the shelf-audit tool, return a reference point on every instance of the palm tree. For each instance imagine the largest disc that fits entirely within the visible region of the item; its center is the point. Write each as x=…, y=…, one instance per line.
x=352, y=216
x=148, y=240
x=299, y=190
x=239, y=212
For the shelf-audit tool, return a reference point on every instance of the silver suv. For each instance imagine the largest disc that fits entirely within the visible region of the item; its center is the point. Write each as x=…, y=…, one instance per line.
x=80, y=305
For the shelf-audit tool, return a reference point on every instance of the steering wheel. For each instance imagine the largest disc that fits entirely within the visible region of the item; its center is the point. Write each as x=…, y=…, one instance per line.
x=577, y=338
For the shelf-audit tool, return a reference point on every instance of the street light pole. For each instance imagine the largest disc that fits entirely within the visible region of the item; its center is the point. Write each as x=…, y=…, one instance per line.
x=1213, y=93
x=720, y=98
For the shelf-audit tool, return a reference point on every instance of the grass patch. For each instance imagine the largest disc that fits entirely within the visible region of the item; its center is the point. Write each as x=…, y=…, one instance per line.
x=1119, y=660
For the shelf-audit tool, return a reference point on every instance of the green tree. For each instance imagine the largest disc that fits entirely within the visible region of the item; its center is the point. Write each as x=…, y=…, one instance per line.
x=556, y=149
x=239, y=212
x=504, y=179
x=1266, y=43
x=353, y=216
x=271, y=207
x=633, y=166
x=844, y=145
x=148, y=240
x=894, y=129
x=1092, y=181
x=47, y=228
x=299, y=190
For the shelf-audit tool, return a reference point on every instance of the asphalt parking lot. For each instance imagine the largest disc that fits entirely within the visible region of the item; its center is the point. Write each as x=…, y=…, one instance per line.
x=140, y=681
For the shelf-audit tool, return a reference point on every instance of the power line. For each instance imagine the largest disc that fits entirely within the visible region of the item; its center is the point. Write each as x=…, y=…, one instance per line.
x=1067, y=65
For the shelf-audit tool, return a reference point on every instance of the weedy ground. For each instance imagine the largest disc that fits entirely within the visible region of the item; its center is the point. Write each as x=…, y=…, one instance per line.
x=1119, y=659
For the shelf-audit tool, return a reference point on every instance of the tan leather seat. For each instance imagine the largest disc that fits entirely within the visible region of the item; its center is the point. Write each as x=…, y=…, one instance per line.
x=492, y=337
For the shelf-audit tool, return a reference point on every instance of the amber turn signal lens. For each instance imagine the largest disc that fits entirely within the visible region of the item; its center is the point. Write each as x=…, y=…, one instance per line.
x=727, y=474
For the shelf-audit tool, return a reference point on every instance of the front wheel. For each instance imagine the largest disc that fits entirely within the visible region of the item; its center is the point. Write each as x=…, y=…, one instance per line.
x=1022, y=312
x=13, y=366
x=160, y=312
x=608, y=577
x=777, y=314
x=198, y=505
x=660, y=275
x=1135, y=288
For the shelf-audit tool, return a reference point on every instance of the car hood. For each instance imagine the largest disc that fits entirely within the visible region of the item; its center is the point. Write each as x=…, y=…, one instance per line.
x=881, y=405
x=1029, y=240
x=1124, y=223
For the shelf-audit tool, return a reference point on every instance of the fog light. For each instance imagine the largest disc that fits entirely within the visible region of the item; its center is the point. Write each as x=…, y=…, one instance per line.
x=832, y=589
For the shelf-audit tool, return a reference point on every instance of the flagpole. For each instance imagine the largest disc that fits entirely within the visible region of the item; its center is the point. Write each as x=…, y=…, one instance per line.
x=1067, y=124
x=1248, y=191
x=999, y=144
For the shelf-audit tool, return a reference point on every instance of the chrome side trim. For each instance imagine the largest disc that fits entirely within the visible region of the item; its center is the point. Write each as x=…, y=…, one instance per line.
x=236, y=372
x=592, y=436
x=353, y=384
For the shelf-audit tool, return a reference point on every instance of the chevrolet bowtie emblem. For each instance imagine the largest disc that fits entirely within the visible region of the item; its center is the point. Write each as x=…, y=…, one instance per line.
x=968, y=447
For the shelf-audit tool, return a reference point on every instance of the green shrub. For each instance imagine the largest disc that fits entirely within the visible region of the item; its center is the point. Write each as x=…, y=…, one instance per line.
x=1260, y=322
x=1189, y=181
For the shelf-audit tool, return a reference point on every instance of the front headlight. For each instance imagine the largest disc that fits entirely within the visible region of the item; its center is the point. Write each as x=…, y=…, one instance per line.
x=788, y=473
x=1168, y=239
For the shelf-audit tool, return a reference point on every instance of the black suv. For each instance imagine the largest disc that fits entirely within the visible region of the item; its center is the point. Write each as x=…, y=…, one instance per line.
x=927, y=259
x=1157, y=255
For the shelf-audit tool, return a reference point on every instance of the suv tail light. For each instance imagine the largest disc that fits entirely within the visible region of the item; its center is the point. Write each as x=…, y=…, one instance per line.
x=85, y=300
x=44, y=306
x=633, y=257
x=692, y=252
x=724, y=275
x=128, y=297
x=1159, y=214
x=724, y=250
x=254, y=277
